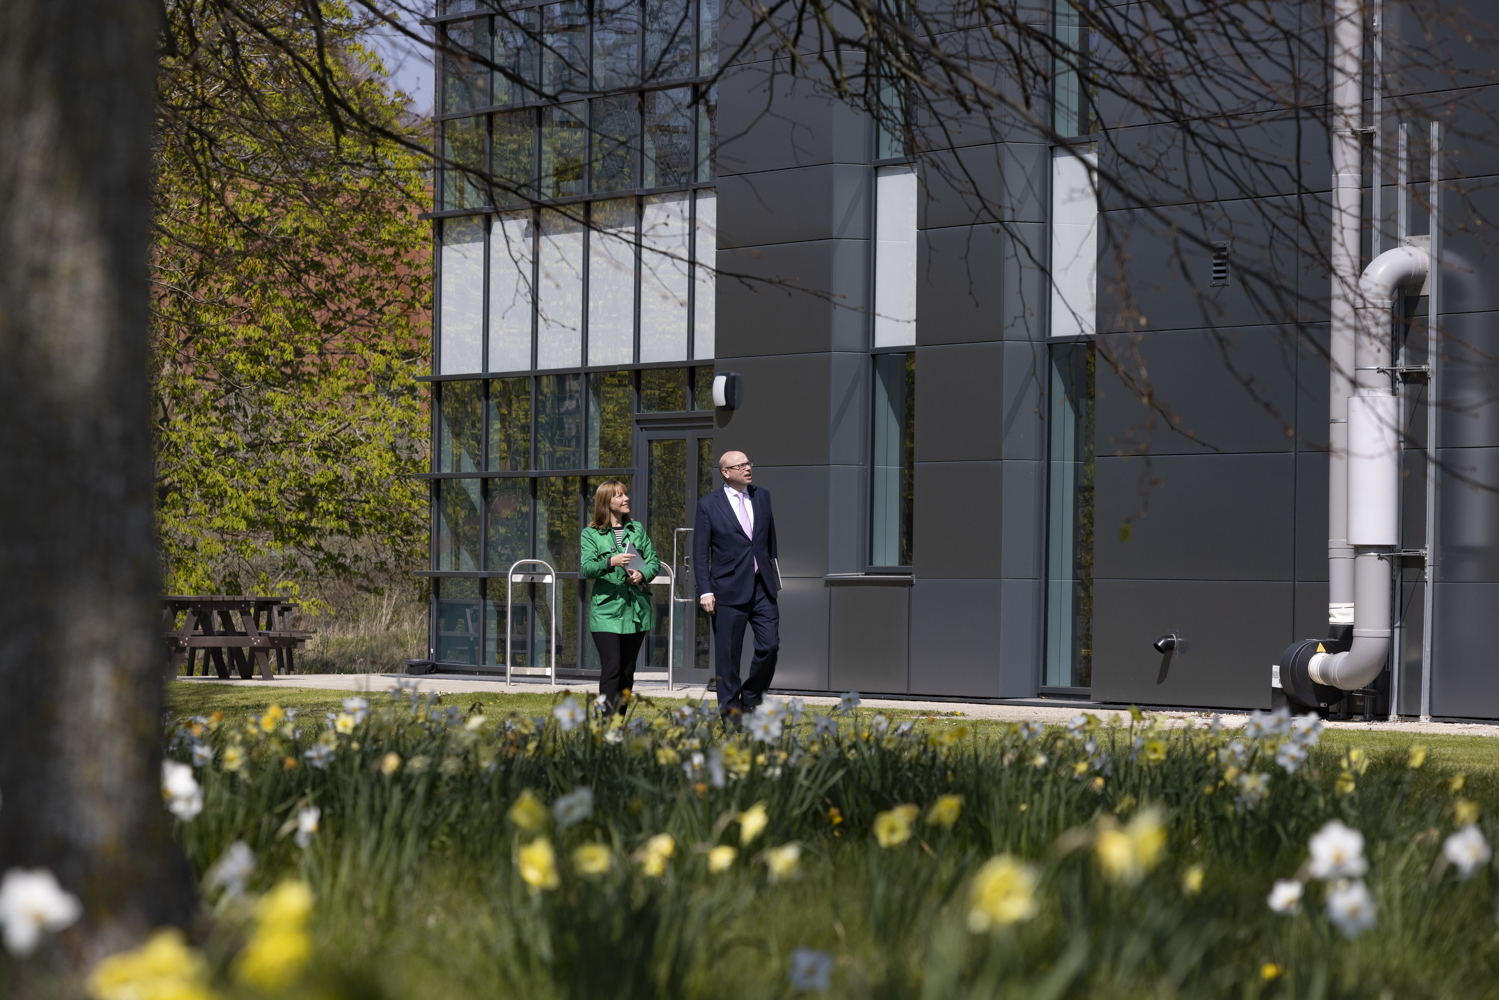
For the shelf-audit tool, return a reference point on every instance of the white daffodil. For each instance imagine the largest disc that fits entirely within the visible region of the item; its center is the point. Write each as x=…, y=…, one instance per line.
x=307, y=822
x=811, y=970
x=1351, y=908
x=1236, y=751
x=717, y=773
x=319, y=755
x=359, y=708
x=569, y=715
x=1258, y=726
x=1029, y=730
x=574, y=807
x=1279, y=721
x=1290, y=756
x=685, y=715
x=1467, y=850
x=32, y=902
x=848, y=702
x=905, y=729
x=233, y=869
x=795, y=707
x=764, y=726
x=824, y=725
x=1077, y=726
x=1253, y=788
x=1306, y=729
x=1337, y=852
x=880, y=724
x=1216, y=725
x=1285, y=897
x=183, y=795
x=202, y=754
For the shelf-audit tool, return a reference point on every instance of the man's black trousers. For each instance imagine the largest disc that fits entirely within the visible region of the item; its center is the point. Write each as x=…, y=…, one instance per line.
x=763, y=616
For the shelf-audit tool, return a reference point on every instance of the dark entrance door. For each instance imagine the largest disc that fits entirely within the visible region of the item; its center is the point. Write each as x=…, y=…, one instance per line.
x=678, y=461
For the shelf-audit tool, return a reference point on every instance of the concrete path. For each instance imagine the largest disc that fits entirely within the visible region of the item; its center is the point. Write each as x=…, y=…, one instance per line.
x=654, y=685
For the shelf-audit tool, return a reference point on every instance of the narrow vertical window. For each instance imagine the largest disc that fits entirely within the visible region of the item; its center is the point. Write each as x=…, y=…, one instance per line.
x=893, y=125
x=704, y=304
x=1069, y=559
x=461, y=303
x=611, y=283
x=1074, y=243
x=895, y=257
x=511, y=253
x=894, y=466
x=664, y=256
x=559, y=283
x=1070, y=113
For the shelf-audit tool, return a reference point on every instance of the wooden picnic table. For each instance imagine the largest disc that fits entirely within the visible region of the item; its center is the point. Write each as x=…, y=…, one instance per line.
x=224, y=643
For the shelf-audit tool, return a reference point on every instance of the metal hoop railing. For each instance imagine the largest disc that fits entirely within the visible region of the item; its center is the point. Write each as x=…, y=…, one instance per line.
x=512, y=578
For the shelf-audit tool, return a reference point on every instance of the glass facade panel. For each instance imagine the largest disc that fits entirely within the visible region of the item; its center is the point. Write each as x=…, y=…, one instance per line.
x=707, y=132
x=1070, y=108
x=891, y=129
x=458, y=620
x=564, y=49
x=458, y=507
x=611, y=420
x=664, y=257
x=513, y=157
x=663, y=390
x=459, y=426
x=894, y=468
x=707, y=37
x=559, y=326
x=461, y=294
x=509, y=425
x=511, y=248
x=669, y=45
x=464, y=79
x=611, y=283
x=567, y=626
x=616, y=44
x=507, y=529
x=667, y=461
x=707, y=481
x=515, y=53
x=895, y=257
x=463, y=170
x=494, y=622
x=564, y=147
x=559, y=504
x=668, y=137
x=704, y=302
x=702, y=388
x=616, y=142
x=559, y=422
x=1069, y=549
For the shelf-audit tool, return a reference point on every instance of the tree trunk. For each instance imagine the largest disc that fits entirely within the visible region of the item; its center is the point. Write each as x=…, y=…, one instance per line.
x=81, y=675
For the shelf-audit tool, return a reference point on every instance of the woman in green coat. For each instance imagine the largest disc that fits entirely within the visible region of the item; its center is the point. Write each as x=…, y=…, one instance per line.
x=619, y=616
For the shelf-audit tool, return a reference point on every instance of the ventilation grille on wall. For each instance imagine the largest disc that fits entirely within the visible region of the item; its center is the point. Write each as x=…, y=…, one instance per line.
x=1220, y=262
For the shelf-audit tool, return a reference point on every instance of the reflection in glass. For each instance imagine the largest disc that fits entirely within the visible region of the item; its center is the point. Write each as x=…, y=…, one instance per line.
x=461, y=296
x=559, y=421
x=567, y=625
x=515, y=53
x=559, y=326
x=668, y=40
x=704, y=302
x=494, y=622
x=510, y=254
x=611, y=283
x=513, y=156
x=702, y=387
x=663, y=390
x=1069, y=549
x=616, y=44
x=559, y=506
x=458, y=507
x=458, y=620
x=616, y=142
x=564, y=52
x=459, y=426
x=664, y=278
x=508, y=528
x=707, y=132
x=509, y=424
x=707, y=468
x=564, y=145
x=463, y=172
x=894, y=467
x=707, y=481
x=611, y=420
x=463, y=78
x=668, y=137
x=707, y=37
x=668, y=512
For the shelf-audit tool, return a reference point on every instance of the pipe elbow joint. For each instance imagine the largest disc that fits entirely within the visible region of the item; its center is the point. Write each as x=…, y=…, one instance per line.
x=1353, y=669
x=1395, y=268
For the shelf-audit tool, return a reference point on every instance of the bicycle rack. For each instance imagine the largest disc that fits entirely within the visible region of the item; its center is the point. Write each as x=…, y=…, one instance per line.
x=671, y=624
x=512, y=578
x=675, y=600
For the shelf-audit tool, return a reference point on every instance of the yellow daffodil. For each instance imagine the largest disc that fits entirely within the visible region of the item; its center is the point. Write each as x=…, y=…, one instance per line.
x=234, y=757
x=1003, y=892
x=538, y=865
x=1154, y=751
x=655, y=853
x=783, y=862
x=390, y=763
x=1456, y=782
x=272, y=718
x=526, y=812
x=721, y=858
x=1464, y=811
x=752, y=823
x=279, y=948
x=592, y=860
x=1192, y=880
x=1356, y=761
x=667, y=757
x=893, y=826
x=344, y=723
x=1127, y=854
x=162, y=967
x=1270, y=971
x=945, y=811
x=1417, y=756
x=834, y=816
x=1346, y=783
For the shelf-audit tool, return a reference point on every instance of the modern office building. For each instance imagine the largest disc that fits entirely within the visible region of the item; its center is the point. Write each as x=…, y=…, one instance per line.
x=941, y=385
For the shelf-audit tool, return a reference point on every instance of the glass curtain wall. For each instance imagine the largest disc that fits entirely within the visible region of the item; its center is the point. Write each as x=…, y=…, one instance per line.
x=893, y=470
x=1069, y=557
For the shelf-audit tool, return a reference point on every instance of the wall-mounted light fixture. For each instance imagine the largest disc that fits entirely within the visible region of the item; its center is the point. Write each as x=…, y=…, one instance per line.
x=728, y=390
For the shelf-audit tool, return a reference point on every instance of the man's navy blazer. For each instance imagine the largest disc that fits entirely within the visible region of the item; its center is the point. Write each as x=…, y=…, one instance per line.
x=723, y=559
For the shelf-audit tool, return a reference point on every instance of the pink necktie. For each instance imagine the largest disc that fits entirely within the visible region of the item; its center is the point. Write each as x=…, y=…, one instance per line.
x=744, y=522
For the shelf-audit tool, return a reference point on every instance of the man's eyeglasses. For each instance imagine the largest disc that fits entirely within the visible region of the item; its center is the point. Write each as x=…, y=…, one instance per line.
x=741, y=467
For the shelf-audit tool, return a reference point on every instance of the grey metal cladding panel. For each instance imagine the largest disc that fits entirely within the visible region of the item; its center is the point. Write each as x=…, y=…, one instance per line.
x=1310, y=611
x=1313, y=281
x=1233, y=390
x=803, y=661
x=1235, y=631
x=1023, y=416
x=1413, y=601
x=783, y=418
x=1311, y=516
x=848, y=527
x=1468, y=149
x=1155, y=270
x=771, y=119
x=1437, y=54
x=958, y=300
x=1207, y=517
x=956, y=638
x=1020, y=621
x=799, y=495
x=1468, y=515
x=1312, y=387
x=849, y=407
x=869, y=639
x=955, y=535
x=955, y=395
x=1463, y=677
x=977, y=185
x=1022, y=520
x=793, y=298
x=1470, y=249
x=827, y=201
x=1026, y=288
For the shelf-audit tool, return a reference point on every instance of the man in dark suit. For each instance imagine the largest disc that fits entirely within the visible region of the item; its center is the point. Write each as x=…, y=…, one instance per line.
x=734, y=561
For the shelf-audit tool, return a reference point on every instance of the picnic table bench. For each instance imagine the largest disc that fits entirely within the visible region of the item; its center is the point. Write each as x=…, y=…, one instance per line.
x=225, y=644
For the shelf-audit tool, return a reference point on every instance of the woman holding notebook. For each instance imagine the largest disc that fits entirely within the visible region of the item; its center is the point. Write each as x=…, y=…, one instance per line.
x=620, y=560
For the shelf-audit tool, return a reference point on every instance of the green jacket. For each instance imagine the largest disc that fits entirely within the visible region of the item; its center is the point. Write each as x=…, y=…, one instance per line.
x=618, y=605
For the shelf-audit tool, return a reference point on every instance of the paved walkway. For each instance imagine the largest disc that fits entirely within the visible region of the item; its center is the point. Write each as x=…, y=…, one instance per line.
x=654, y=685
